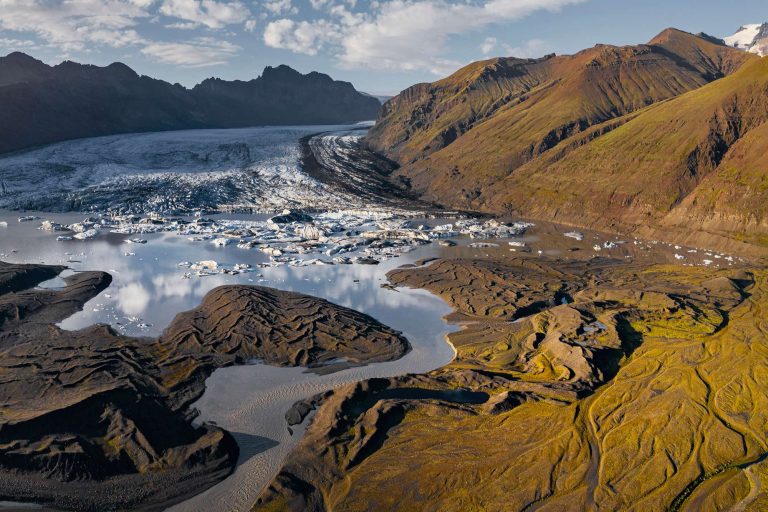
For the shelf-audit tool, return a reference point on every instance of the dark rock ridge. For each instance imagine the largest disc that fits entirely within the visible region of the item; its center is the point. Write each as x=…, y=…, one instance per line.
x=41, y=104
x=91, y=420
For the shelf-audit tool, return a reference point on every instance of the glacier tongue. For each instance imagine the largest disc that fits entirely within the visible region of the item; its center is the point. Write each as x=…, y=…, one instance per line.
x=170, y=172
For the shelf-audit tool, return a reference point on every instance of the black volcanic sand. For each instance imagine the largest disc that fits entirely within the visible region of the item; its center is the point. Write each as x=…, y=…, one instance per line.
x=91, y=420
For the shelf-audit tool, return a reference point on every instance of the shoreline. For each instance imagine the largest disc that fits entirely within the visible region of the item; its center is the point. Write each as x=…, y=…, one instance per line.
x=181, y=396
x=481, y=364
x=545, y=235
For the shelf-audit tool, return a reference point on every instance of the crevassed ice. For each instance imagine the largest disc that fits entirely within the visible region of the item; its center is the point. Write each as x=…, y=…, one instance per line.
x=168, y=171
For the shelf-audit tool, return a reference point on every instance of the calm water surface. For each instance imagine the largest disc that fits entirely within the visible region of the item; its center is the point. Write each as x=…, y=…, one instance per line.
x=149, y=289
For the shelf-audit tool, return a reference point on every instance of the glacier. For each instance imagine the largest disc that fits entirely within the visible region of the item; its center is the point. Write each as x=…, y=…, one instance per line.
x=176, y=172
x=752, y=38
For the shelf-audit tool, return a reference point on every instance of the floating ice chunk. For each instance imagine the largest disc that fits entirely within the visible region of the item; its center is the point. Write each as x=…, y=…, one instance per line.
x=310, y=232
x=221, y=242
x=482, y=245
x=514, y=243
x=3, y=224
x=48, y=225
x=87, y=234
x=339, y=249
x=679, y=256
x=272, y=251
x=63, y=238
x=136, y=241
x=597, y=247
x=28, y=218
x=205, y=265
x=575, y=235
x=289, y=216
x=364, y=260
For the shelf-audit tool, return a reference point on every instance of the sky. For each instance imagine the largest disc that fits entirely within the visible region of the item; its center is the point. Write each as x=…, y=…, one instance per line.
x=381, y=46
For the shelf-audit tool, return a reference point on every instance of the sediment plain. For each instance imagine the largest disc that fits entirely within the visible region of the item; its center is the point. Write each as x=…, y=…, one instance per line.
x=92, y=420
x=580, y=383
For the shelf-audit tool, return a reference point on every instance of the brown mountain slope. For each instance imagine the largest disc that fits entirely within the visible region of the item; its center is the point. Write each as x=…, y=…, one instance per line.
x=458, y=137
x=697, y=162
x=734, y=199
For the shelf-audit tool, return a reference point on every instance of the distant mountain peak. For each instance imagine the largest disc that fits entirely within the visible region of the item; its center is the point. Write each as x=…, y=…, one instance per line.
x=20, y=67
x=20, y=57
x=675, y=34
x=41, y=104
x=122, y=69
x=282, y=71
x=752, y=38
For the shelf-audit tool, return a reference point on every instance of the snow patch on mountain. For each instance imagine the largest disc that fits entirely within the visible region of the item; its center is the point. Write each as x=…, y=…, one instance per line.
x=752, y=38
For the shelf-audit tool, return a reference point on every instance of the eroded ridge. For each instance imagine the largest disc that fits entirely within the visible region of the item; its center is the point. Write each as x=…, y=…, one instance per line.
x=626, y=387
x=91, y=420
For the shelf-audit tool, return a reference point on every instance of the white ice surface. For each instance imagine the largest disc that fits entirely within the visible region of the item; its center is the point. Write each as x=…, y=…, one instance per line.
x=167, y=172
x=747, y=38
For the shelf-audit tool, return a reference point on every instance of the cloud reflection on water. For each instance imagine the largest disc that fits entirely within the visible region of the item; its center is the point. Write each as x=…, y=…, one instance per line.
x=149, y=289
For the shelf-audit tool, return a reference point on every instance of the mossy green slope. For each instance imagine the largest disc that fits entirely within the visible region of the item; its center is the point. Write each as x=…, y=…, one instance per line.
x=647, y=139
x=696, y=162
x=645, y=392
x=464, y=133
x=680, y=427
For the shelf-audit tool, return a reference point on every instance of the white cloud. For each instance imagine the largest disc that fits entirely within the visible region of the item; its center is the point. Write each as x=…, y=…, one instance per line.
x=280, y=7
x=211, y=13
x=184, y=25
x=250, y=25
x=300, y=37
x=400, y=34
x=196, y=53
x=488, y=45
x=10, y=44
x=72, y=25
x=531, y=49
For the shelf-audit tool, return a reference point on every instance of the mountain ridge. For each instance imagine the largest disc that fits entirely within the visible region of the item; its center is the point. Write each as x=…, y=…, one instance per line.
x=535, y=149
x=42, y=104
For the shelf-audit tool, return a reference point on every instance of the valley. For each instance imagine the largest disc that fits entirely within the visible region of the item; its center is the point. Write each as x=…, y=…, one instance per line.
x=533, y=284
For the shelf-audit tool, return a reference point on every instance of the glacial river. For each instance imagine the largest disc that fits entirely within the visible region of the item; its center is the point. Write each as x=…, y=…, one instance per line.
x=192, y=169
x=149, y=289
